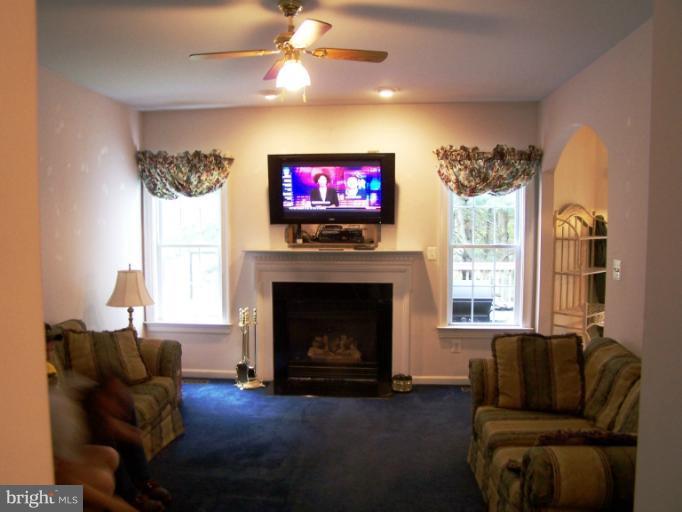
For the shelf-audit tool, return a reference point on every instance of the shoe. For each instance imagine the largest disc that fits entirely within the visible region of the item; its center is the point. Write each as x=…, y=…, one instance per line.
x=144, y=503
x=153, y=489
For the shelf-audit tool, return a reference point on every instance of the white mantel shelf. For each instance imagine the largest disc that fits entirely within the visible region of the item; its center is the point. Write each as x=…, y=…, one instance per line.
x=334, y=253
x=335, y=266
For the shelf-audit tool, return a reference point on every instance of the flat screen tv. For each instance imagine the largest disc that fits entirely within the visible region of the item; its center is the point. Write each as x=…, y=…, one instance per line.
x=344, y=188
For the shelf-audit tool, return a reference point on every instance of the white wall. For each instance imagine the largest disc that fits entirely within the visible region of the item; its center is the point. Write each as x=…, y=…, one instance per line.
x=612, y=96
x=25, y=447
x=90, y=201
x=411, y=131
x=660, y=444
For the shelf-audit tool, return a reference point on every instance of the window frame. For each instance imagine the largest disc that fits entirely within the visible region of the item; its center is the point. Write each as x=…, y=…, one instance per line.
x=527, y=283
x=150, y=234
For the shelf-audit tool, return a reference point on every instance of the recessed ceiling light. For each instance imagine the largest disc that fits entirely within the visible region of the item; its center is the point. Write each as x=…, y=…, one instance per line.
x=386, y=92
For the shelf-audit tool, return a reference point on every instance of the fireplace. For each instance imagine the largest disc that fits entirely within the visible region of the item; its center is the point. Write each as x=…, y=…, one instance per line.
x=332, y=338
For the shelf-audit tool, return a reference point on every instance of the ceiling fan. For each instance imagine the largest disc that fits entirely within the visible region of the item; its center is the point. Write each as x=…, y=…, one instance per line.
x=288, y=70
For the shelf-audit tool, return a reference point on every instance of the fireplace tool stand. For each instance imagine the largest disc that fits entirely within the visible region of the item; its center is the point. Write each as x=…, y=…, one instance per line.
x=246, y=371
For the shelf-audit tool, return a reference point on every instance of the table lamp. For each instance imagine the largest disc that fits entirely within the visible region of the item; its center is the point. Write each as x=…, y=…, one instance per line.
x=130, y=291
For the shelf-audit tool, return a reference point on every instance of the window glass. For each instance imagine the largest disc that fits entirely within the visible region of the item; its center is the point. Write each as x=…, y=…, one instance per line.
x=486, y=257
x=187, y=262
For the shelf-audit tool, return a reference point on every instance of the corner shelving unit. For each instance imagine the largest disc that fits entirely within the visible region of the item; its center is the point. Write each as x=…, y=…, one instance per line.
x=579, y=271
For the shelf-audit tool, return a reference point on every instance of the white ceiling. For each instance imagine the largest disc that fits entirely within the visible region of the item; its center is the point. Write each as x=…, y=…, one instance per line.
x=135, y=51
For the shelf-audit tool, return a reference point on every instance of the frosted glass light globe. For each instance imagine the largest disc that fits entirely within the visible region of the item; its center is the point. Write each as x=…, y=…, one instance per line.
x=293, y=76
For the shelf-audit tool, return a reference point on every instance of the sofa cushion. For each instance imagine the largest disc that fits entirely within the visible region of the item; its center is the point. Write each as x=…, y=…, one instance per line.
x=488, y=413
x=500, y=433
x=539, y=373
x=151, y=397
x=611, y=372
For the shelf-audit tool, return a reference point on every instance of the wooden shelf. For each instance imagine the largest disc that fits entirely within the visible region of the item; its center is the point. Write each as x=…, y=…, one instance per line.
x=589, y=271
x=588, y=310
x=569, y=239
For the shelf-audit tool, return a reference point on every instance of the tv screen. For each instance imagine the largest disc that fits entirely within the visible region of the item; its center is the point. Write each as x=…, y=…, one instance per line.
x=339, y=188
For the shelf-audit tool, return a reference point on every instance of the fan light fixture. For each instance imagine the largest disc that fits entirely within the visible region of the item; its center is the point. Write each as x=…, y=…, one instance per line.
x=290, y=45
x=293, y=76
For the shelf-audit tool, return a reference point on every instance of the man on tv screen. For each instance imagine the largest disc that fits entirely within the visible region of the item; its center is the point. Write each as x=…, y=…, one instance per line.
x=354, y=188
x=324, y=195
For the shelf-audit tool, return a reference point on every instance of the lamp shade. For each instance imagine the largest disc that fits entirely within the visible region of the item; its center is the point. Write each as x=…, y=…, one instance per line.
x=130, y=290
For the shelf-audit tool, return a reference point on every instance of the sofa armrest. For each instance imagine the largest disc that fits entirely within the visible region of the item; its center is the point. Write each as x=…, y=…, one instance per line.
x=163, y=358
x=483, y=380
x=579, y=477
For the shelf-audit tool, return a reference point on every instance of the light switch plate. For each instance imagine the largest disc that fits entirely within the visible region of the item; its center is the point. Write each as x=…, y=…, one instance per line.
x=616, y=270
x=431, y=254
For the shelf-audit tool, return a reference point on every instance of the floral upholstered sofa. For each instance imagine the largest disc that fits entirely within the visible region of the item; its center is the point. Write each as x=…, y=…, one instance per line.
x=150, y=367
x=567, y=442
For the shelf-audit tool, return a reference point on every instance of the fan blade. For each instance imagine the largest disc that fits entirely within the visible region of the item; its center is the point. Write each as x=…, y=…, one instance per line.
x=232, y=55
x=274, y=69
x=308, y=32
x=347, y=54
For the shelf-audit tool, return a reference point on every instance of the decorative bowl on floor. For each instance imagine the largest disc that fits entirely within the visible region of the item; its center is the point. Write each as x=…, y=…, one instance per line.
x=402, y=383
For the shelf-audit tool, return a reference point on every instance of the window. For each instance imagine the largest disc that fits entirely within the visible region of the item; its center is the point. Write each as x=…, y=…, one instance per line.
x=184, y=249
x=486, y=259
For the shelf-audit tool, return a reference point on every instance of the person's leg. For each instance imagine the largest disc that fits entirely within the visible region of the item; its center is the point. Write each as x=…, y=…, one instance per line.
x=134, y=460
x=100, y=455
x=114, y=422
x=95, y=468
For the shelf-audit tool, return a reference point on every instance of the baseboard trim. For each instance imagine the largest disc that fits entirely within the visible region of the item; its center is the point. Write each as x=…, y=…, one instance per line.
x=194, y=373
x=447, y=380
x=458, y=380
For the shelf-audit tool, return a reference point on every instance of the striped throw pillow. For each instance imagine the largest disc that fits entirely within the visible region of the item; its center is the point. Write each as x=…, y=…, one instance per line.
x=133, y=370
x=540, y=373
x=81, y=356
x=100, y=355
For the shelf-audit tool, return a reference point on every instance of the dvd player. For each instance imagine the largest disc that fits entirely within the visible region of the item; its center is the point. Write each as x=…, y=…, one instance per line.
x=334, y=233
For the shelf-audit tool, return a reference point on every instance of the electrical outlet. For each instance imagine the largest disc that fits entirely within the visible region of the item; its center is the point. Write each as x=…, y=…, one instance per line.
x=455, y=347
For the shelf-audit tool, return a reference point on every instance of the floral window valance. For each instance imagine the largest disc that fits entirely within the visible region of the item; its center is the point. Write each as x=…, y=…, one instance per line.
x=190, y=174
x=469, y=172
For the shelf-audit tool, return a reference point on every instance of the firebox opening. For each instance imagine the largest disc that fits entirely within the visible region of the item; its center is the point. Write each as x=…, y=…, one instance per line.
x=332, y=338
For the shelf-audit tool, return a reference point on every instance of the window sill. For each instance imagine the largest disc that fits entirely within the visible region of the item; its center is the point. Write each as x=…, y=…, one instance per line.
x=447, y=332
x=164, y=328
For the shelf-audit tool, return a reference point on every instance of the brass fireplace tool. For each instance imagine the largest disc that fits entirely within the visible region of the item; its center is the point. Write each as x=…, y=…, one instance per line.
x=246, y=369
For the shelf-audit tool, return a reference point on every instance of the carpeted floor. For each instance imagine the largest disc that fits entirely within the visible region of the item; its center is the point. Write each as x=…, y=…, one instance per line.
x=253, y=451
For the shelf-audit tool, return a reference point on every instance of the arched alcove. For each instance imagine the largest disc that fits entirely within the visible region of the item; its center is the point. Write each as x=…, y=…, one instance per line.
x=579, y=176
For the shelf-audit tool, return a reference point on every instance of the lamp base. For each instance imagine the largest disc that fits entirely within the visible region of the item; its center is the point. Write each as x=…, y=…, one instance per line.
x=131, y=326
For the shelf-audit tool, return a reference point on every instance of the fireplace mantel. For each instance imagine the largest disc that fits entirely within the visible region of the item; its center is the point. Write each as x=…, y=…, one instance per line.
x=333, y=254
x=334, y=266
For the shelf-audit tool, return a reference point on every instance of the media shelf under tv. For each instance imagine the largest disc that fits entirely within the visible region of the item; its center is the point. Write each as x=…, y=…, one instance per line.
x=332, y=236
